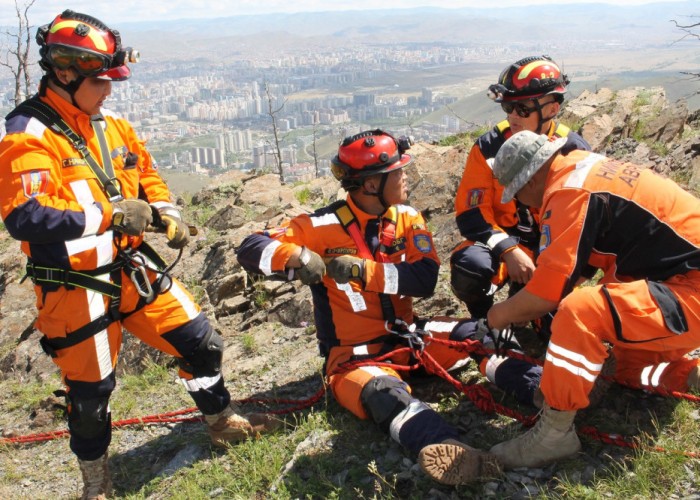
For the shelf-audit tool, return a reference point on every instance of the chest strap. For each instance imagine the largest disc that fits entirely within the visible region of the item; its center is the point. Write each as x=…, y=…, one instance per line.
x=352, y=227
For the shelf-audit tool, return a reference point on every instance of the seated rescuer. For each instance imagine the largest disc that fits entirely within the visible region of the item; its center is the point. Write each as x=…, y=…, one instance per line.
x=80, y=215
x=643, y=232
x=501, y=238
x=364, y=258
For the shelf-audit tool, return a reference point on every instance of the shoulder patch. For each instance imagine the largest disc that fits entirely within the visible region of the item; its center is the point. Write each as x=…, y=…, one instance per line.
x=475, y=197
x=422, y=243
x=545, y=238
x=35, y=182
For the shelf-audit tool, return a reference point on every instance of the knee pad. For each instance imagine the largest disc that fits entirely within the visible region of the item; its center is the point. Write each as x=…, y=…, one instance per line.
x=205, y=360
x=468, y=284
x=89, y=418
x=472, y=289
x=383, y=398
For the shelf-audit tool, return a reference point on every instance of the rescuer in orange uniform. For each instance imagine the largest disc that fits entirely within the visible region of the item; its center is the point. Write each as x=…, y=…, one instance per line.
x=501, y=238
x=365, y=259
x=78, y=189
x=643, y=232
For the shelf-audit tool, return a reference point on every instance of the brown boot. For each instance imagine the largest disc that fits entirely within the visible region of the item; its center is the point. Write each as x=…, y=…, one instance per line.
x=553, y=437
x=231, y=426
x=452, y=462
x=97, y=481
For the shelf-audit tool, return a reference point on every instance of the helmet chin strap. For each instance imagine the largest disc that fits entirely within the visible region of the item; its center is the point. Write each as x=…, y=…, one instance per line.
x=70, y=87
x=542, y=120
x=380, y=193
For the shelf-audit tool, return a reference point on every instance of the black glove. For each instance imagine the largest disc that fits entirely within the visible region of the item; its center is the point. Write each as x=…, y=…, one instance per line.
x=345, y=268
x=493, y=338
x=177, y=232
x=131, y=216
x=312, y=267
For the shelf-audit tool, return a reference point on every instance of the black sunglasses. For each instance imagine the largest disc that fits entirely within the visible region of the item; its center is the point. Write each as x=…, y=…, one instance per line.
x=520, y=108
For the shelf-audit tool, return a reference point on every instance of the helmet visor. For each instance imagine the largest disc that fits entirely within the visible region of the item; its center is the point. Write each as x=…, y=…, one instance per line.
x=84, y=62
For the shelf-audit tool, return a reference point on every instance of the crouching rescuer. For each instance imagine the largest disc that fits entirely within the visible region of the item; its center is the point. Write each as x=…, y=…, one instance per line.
x=78, y=189
x=365, y=258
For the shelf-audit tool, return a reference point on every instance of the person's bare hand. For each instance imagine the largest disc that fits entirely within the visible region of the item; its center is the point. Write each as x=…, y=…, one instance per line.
x=520, y=266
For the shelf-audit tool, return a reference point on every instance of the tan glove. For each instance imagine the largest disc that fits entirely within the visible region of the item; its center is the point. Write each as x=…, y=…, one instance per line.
x=131, y=216
x=312, y=267
x=345, y=268
x=177, y=232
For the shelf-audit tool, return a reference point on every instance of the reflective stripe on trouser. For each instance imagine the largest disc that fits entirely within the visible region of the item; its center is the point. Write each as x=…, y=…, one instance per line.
x=642, y=344
x=88, y=366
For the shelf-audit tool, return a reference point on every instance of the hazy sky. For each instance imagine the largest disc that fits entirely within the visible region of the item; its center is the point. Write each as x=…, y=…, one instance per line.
x=118, y=11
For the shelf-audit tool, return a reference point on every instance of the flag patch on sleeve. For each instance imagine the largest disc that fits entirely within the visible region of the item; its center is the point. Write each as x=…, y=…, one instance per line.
x=475, y=198
x=35, y=182
x=545, y=238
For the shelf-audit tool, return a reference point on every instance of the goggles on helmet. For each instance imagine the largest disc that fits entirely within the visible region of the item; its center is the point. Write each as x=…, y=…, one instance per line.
x=86, y=62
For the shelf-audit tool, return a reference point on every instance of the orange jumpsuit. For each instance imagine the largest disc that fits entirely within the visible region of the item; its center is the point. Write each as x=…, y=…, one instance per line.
x=491, y=228
x=351, y=321
x=51, y=201
x=643, y=232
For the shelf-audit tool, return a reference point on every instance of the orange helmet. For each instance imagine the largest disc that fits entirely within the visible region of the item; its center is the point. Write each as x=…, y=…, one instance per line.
x=529, y=78
x=85, y=44
x=369, y=153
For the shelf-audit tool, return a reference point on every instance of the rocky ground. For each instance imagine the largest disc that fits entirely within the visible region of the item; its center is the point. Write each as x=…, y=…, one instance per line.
x=270, y=345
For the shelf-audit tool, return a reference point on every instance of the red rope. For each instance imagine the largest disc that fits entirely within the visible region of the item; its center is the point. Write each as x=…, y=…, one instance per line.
x=177, y=416
x=478, y=394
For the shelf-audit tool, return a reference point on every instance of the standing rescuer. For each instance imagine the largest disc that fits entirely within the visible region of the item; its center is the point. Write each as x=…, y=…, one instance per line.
x=78, y=189
x=643, y=232
x=500, y=239
x=365, y=258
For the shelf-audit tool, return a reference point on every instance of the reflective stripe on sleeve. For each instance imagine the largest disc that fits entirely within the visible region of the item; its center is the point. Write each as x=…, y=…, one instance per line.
x=266, y=257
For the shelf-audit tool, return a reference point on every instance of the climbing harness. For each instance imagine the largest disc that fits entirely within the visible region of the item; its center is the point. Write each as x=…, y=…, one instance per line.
x=105, y=280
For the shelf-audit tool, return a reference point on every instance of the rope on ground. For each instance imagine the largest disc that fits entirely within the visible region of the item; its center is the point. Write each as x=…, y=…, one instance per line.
x=184, y=415
x=478, y=394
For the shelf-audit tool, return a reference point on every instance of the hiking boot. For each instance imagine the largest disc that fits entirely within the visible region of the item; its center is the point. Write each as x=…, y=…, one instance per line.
x=97, y=481
x=231, y=426
x=694, y=379
x=452, y=462
x=552, y=437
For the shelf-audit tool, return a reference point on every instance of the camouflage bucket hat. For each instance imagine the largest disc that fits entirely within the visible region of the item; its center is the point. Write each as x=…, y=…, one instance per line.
x=520, y=158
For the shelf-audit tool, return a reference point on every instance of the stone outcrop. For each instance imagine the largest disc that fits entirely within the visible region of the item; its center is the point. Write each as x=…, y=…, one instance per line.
x=634, y=124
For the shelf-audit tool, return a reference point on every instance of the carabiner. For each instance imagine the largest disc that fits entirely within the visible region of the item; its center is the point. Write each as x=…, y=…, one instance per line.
x=144, y=289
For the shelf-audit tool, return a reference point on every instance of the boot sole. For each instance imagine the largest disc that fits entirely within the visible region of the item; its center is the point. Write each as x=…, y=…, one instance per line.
x=450, y=464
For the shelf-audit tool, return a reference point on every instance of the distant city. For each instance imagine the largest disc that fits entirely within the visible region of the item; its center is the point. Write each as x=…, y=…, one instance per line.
x=206, y=116
x=236, y=115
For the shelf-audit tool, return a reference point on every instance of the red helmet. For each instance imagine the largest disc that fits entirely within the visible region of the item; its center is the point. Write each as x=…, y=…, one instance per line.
x=529, y=78
x=85, y=44
x=369, y=153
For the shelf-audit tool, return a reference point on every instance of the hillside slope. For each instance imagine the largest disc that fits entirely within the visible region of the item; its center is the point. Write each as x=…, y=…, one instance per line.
x=271, y=351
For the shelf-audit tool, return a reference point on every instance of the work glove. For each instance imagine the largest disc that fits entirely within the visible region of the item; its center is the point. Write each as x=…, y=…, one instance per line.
x=491, y=338
x=177, y=232
x=131, y=216
x=345, y=268
x=312, y=267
